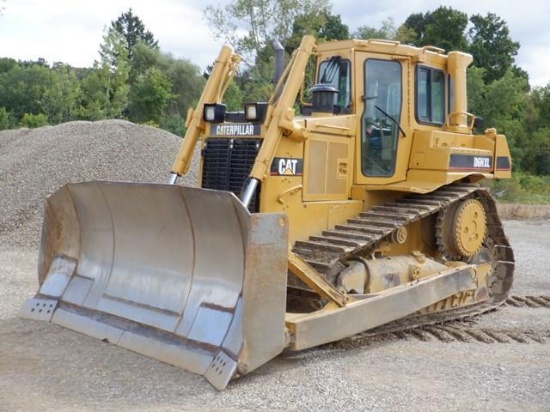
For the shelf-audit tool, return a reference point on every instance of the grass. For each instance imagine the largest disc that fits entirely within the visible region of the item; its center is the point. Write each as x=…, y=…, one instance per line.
x=522, y=197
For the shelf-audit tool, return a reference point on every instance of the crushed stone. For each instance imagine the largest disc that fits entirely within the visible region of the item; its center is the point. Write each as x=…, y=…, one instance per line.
x=36, y=162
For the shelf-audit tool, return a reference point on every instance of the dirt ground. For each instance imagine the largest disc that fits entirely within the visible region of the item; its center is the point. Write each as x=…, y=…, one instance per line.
x=45, y=367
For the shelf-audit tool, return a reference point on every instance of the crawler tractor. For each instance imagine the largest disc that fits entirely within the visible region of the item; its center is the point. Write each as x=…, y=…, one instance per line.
x=343, y=206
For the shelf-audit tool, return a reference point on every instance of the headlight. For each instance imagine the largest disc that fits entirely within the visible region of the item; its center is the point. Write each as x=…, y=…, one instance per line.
x=255, y=111
x=250, y=111
x=214, y=112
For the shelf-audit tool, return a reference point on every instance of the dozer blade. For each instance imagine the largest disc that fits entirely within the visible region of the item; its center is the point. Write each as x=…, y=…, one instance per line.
x=183, y=275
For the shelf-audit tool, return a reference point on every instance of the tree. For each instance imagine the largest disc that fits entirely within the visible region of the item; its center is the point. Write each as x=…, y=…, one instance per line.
x=536, y=126
x=333, y=29
x=4, y=119
x=23, y=89
x=60, y=101
x=150, y=96
x=386, y=31
x=261, y=20
x=502, y=105
x=537, y=152
x=7, y=64
x=323, y=26
x=491, y=45
x=105, y=89
x=133, y=31
x=185, y=77
x=92, y=99
x=160, y=81
x=444, y=27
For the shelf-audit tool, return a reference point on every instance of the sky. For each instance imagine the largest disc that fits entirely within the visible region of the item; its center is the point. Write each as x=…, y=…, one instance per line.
x=70, y=31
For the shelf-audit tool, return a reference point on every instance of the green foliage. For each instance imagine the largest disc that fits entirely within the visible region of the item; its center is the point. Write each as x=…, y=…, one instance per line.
x=61, y=99
x=261, y=20
x=502, y=101
x=533, y=184
x=523, y=117
x=149, y=97
x=538, y=115
x=233, y=98
x=536, y=159
x=92, y=97
x=502, y=105
x=23, y=89
x=33, y=121
x=7, y=64
x=332, y=29
x=132, y=79
x=184, y=77
x=132, y=29
x=3, y=118
x=386, y=31
x=491, y=45
x=522, y=188
x=323, y=25
x=106, y=88
x=150, y=123
x=174, y=124
x=444, y=27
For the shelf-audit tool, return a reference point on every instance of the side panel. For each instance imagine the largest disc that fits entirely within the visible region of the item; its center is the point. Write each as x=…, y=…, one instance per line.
x=327, y=164
x=316, y=195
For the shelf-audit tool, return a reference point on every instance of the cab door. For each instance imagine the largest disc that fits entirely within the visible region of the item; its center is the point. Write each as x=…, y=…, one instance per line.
x=381, y=109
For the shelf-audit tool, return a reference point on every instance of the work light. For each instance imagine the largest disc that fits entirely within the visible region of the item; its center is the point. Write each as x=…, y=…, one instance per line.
x=214, y=112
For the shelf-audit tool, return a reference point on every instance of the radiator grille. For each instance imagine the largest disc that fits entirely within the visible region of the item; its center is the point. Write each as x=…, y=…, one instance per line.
x=227, y=163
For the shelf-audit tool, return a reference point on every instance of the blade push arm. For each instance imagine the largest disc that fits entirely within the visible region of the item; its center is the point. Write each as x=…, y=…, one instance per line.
x=223, y=71
x=280, y=115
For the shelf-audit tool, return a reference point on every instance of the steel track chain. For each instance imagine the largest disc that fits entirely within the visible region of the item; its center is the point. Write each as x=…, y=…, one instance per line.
x=455, y=330
x=361, y=235
x=528, y=301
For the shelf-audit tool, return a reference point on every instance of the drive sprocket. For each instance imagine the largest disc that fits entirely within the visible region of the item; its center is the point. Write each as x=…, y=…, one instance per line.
x=462, y=229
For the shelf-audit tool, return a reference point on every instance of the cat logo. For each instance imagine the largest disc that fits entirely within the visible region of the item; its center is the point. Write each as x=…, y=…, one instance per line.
x=284, y=166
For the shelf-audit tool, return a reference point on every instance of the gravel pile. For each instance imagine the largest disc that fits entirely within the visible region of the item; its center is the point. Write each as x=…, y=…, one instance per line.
x=35, y=163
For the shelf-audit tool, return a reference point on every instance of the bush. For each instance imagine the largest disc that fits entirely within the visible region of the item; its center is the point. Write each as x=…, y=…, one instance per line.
x=33, y=120
x=522, y=188
x=150, y=123
x=532, y=184
x=3, y=118
x=174, y=124
x=507, y=190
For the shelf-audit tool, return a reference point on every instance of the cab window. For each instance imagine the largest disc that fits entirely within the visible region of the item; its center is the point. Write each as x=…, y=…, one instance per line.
x=336, y=72
x=430, y=95
x=381, y=115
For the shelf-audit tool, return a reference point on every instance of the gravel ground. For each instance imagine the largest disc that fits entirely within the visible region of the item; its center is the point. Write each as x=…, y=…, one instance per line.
x=48, y=368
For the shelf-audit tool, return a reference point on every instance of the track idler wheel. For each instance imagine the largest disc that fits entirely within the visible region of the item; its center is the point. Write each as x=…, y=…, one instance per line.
x=463, y=229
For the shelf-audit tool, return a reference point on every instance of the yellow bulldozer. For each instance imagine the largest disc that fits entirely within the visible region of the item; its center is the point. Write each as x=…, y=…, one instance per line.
x=345, y=203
